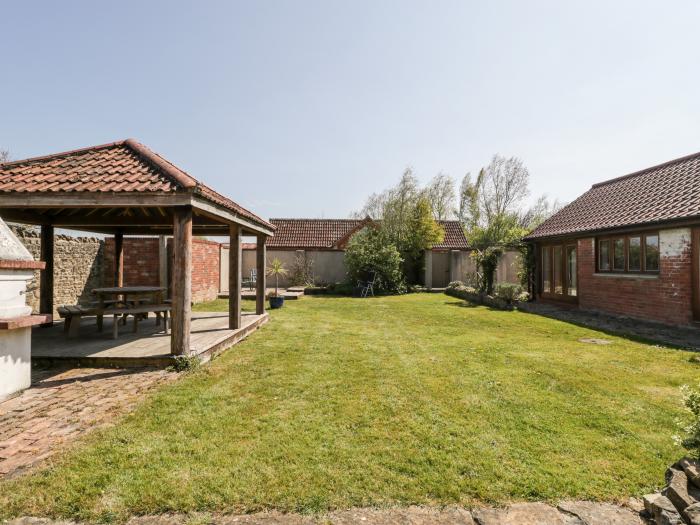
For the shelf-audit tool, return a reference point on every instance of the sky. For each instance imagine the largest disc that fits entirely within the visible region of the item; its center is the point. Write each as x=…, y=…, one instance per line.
x=303, y=108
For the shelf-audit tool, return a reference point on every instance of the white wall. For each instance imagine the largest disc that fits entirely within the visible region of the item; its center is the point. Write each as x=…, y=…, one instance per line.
x=15, y=361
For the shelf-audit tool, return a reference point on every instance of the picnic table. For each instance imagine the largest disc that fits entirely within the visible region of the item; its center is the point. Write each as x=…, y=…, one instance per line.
x=137, y=301
x=121, y=294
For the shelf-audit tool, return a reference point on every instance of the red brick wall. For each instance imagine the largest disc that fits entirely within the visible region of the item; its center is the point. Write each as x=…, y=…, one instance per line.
x=666, y=298
x=205, y=270
x=141, y=265
x=140, y=261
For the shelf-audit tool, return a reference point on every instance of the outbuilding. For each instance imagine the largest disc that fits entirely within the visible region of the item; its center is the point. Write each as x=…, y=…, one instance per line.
x=628, y=246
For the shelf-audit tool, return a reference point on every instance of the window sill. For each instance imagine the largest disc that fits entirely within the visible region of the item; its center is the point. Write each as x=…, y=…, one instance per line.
x=627, y=275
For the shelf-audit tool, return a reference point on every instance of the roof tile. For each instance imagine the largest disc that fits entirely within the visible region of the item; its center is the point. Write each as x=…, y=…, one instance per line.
x=125, y=166
x=328, y=233
x=667, y=192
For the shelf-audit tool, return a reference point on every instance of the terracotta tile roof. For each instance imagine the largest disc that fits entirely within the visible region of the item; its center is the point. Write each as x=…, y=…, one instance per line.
x=331, y=233
x=124, y=166
x=454, y=236
x=663, y=193
x=311, y=233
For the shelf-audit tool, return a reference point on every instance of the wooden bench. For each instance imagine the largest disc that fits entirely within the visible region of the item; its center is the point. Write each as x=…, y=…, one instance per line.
x=136, y=312
x=73, y=315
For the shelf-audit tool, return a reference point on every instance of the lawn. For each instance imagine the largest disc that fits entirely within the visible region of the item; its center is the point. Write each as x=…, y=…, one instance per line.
x=341, y=402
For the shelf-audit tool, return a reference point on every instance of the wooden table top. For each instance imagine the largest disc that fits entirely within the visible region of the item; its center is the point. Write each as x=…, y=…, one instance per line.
x=128, y=289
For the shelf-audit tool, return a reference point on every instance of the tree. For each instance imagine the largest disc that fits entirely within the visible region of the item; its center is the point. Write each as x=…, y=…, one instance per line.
x=4, y=156
x=539, y=212
x=492, y=212
x=369, y=253
x=468, y=212
x=423, y=234
x=405, y=218
x=441, y=194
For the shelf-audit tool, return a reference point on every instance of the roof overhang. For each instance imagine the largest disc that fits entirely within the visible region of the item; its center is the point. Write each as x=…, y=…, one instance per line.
x=209, y=218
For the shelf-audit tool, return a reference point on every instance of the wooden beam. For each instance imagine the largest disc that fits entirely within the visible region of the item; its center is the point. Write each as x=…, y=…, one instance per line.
x=46, y=276
x=224, y=215
x=260, y=279
x=163, y=264
x=234, y=277
x=119, y=259
x=182, y=281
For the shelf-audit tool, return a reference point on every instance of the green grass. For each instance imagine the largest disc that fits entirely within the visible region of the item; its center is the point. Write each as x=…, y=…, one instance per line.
x=342, y=402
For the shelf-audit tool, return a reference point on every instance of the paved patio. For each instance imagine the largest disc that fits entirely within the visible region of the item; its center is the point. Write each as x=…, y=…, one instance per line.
x=681, y=336
x=149, y=347
x=64, y=404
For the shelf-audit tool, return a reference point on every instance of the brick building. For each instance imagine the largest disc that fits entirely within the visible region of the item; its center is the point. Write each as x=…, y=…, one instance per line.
x=628, y=246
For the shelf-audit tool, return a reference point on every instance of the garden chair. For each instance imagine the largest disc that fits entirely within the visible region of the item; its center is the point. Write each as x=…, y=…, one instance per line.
x=367, y=287
x=252, y=280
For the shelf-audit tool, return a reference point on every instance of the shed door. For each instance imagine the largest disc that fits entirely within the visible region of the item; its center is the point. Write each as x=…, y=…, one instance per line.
x=441, y=269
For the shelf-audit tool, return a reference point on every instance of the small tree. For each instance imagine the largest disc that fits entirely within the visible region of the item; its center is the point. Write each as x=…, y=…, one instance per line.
x=4, y=156
x=276, y=269
x=368, y=254
x=302, y=273
x=491, y=212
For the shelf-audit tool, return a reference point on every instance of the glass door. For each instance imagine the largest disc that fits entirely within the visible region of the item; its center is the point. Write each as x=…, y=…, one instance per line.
x=571, y=276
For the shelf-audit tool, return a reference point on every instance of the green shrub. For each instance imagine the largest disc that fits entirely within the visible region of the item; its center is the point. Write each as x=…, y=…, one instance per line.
x=368, y=254
x=508, y=292
x=690, y=438
x=185, y=363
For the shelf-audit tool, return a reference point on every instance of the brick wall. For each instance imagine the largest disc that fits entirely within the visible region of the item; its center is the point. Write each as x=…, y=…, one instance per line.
x=205, y=270
x=140, y=261
x=666, y=298
x=142, y=265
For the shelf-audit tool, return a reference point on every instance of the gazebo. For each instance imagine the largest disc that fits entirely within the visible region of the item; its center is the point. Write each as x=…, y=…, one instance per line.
x=124, y=188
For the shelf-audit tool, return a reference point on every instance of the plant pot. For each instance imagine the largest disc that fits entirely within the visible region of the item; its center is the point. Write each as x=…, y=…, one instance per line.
x=276, y=302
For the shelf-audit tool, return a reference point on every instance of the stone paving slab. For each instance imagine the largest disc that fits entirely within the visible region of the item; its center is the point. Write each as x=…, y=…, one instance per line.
x=64, y=404
x=582, y=513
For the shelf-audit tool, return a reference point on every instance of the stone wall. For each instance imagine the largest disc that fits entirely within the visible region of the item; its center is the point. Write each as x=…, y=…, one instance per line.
x=78, y=267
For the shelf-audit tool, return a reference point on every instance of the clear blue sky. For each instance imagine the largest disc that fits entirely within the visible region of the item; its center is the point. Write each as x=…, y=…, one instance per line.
x=302, y=108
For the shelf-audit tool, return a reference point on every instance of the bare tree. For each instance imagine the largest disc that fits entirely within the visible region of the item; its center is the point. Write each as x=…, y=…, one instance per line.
x=503, y=187
x=4, y=156
x=539, y=212
x=441, y=195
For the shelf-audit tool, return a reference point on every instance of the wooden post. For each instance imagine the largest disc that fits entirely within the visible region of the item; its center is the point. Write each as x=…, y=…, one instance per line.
x=182, y=281
x=260, y=284
x=234, y=277
x=46, y=276
x=163, y=263
x=118, y=259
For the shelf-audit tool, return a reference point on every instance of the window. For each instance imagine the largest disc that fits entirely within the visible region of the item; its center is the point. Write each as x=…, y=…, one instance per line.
x=558, y=283
x=604, y=255
x=619, y=255
x=571, y=271
x=634, y=254
x=651, y=251
x=631, y=253
x=546, y=270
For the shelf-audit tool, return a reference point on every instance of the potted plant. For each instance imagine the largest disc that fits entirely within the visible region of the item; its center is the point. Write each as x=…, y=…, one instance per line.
x=276, y=269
